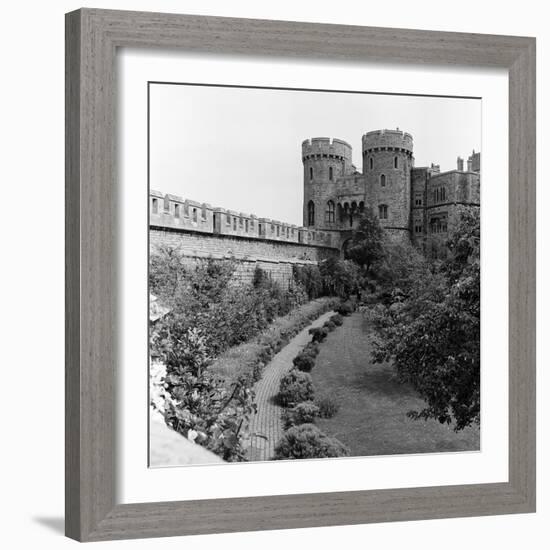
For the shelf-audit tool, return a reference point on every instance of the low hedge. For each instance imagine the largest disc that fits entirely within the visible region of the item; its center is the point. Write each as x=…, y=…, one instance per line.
x=345, y=308
x=295, y=387
x=250, y=358
x=304, y=362
x=308, y=441
x=337, y=319
x=303, y=413
x=318, y=334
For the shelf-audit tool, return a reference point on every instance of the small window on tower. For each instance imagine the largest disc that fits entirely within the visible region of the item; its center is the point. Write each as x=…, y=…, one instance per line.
x=330, y=173
x=383, y=212
x=310, y=213
x=383, y=180
x=310, y=173
x=371, y=163
x=395, y=162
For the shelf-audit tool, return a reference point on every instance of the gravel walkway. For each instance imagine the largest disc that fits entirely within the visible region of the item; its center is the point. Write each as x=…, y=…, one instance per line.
x=266, y=425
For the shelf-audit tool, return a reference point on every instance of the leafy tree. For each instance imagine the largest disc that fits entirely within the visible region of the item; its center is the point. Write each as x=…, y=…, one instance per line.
x=432, y=334
x=340, y=277
x=367, y=240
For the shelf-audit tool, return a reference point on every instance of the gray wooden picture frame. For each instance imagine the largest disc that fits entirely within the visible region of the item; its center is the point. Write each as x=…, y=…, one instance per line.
x=92, y=39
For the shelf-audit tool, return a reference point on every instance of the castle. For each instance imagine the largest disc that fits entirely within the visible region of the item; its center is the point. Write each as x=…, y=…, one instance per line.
x=415, y=204
x=419, y=204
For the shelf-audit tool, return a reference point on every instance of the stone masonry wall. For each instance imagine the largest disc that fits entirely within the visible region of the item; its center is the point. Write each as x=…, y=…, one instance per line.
x=276, y=258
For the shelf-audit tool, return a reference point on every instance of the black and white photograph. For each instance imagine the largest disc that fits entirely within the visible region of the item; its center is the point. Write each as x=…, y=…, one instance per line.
x=314, y=274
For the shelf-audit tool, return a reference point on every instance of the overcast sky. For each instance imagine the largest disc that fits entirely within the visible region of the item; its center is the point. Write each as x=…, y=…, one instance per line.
x=240, y=148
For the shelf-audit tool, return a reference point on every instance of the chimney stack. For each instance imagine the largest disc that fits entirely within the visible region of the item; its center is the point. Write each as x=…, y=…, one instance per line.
x=470, y=164
x=460, y=164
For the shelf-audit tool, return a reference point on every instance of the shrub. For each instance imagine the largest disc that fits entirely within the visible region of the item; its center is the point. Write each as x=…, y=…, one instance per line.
x=307, y=441
x=330, y=326
x=337, y=319
x=196, y=402
x=295, y=387
x=345, y=308
x=304, y=362
x=318, y=334
x=304, y=413
x=312, y=348
x=328, y=406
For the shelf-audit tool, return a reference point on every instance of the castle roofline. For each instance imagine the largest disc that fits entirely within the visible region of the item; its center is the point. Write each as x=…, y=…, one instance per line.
x=385, y=131
x=326, y=140
x=439, y=174
x=243, y=215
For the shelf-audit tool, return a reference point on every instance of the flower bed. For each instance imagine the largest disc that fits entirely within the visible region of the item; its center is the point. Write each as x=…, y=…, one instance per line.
x=249, y=359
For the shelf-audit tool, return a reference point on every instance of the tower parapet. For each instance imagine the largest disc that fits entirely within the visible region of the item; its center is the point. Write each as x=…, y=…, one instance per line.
x=387, y=140
x=324, y=147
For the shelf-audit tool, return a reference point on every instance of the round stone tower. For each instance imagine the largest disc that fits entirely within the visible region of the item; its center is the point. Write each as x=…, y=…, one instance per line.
x=325, y=161
x=387, y=162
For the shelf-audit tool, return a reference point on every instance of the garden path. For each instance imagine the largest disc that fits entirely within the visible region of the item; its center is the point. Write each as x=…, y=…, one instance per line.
x=266, y=425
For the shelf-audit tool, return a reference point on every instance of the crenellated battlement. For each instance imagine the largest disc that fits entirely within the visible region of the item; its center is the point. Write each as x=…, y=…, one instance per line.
x=392, y=140
x=174, y=212
x=324, y=147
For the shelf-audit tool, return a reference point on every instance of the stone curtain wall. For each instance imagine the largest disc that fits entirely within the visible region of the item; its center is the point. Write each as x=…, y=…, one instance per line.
x=276, y=258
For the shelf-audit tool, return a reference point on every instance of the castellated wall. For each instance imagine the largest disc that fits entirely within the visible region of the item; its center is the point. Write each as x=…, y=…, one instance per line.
x=199, y=231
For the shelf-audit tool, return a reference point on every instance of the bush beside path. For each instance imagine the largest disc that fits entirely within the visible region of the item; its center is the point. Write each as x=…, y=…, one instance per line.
x=266, y=427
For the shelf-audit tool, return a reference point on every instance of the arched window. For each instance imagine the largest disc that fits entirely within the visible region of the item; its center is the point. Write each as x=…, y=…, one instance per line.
x=383, y=180
x=371, y=163
x=310, y=173
x=194, y=214
x=383, y=211
x=176, y=210
x=330, y=173
x=310, y=213
x=155, y=206
x=395, y=162
x=361, y=207
x=329, y=212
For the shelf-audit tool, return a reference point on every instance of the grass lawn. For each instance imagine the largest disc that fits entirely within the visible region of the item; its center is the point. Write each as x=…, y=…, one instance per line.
x=372, y=419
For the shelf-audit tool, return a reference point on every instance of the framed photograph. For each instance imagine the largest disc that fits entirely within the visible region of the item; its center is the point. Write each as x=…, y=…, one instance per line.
x=300, y=276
